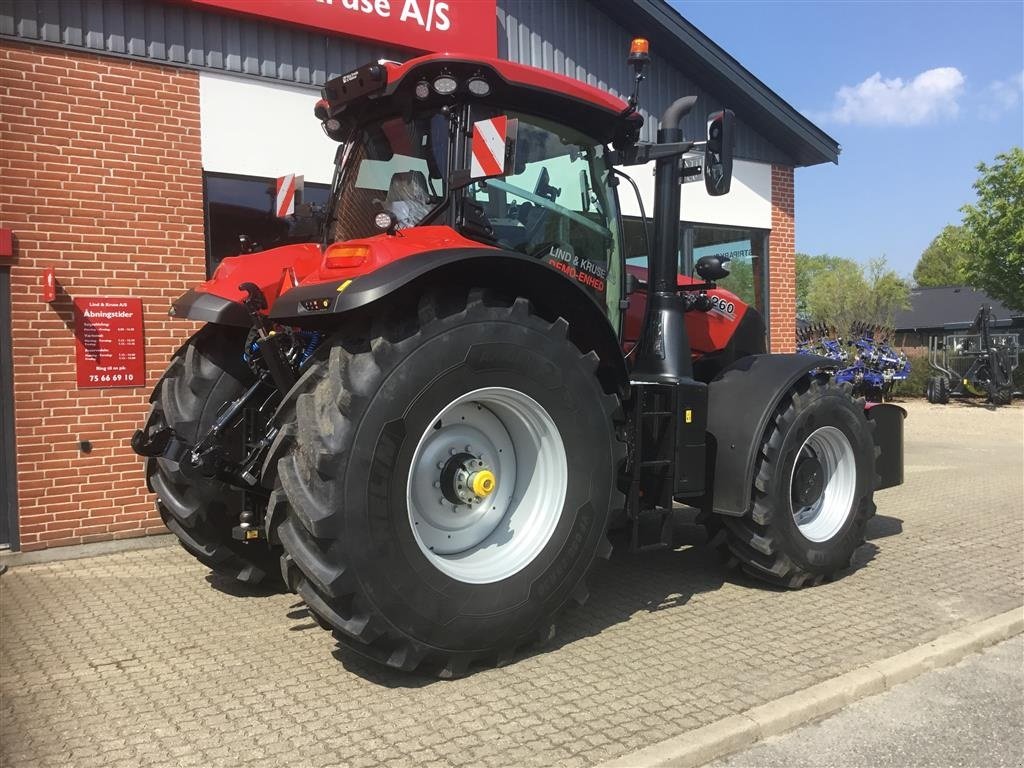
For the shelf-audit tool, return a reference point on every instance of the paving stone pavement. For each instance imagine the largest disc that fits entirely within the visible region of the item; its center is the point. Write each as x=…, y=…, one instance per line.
x=141, y=658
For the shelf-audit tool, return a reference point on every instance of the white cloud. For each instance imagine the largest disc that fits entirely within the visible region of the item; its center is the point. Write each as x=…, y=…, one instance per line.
x=1002, y=95
x=877, y=101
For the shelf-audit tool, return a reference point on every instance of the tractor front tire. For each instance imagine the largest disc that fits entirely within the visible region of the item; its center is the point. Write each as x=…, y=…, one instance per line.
x=204, y=375
x=937, y=390
x=812, y=490
x=1001, y=395
x=443, y=486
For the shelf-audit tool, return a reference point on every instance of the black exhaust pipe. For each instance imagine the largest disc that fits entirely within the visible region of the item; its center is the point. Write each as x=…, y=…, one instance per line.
x=664, y=354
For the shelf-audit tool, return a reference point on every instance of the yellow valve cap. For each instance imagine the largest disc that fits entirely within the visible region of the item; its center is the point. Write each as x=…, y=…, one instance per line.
x=483, y=482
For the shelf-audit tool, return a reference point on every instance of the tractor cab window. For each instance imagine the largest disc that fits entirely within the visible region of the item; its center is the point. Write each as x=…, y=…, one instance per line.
x=391, y=165
x=557, y=205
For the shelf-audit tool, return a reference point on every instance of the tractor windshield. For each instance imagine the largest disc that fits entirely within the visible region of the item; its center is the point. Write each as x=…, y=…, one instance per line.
x=395, y=165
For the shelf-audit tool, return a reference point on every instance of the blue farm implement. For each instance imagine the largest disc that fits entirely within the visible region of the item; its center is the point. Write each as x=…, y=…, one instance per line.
x=868, y=362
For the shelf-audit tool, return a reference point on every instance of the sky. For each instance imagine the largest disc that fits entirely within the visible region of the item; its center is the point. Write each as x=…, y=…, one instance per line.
x=916, y=94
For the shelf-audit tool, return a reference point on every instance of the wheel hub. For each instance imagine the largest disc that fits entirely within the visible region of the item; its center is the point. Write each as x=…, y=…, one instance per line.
x=486, y=485
x=823, y=484
x=467, y=479
x=808, y=481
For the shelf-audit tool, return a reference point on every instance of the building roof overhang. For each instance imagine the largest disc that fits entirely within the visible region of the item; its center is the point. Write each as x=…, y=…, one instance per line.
x=680, y=42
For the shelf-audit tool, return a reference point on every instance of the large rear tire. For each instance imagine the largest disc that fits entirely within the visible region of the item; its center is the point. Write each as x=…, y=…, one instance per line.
x=203, y=376
x=812, y=492
x=384, y=539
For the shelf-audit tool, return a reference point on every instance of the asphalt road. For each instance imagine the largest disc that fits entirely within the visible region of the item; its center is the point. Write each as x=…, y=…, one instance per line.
x=970, y=715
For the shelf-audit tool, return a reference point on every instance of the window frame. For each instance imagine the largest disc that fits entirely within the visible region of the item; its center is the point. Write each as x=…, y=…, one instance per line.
x=686, y=240
x=207, y=229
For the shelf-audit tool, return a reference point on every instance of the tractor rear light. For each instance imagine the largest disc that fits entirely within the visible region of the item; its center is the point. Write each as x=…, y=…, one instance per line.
x=422, y=89
x=346, y=256
x=445, y=85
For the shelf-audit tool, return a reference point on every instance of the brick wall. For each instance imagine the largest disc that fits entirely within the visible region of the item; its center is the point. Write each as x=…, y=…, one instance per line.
x=782, y=263
x=100, y=178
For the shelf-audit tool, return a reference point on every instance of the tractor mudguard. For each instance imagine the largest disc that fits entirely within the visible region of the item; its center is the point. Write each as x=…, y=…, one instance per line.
x=346, y=294
x=888, y=420
x=551, y=292
x=210, y=308
x=741, y=400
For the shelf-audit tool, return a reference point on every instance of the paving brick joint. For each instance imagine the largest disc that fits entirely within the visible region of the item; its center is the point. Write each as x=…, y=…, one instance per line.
x=143, y=658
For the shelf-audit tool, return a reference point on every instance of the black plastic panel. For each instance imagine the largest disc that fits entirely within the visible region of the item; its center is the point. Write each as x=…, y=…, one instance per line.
x=888, y=421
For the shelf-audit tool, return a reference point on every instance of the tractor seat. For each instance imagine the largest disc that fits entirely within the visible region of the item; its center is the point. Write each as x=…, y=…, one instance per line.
x=408, y=198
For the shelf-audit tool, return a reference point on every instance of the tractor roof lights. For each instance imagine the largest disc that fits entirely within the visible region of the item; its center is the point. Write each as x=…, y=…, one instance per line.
x=445, y=85
x=478, y=86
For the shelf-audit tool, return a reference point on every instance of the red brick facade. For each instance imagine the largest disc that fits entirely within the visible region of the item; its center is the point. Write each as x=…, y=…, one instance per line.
x=102, y=180
x=782, y=263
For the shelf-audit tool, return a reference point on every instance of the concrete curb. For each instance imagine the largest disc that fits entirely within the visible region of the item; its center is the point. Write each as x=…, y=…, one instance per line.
x=736, y=732
x=78, y=551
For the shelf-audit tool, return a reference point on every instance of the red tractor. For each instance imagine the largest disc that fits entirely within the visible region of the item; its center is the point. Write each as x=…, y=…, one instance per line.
x=427, y=422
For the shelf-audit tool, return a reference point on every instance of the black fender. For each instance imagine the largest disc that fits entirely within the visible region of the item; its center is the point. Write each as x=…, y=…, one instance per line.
x=552, y=294
x=888, y=420
x=741, y=400
x=210, y=308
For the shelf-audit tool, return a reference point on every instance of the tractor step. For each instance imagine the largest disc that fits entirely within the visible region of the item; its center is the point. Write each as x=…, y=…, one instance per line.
x=646, y=527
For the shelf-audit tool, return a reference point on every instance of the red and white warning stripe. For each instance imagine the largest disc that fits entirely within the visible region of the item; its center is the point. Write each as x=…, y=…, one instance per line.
x=287, y=187
x=489, y=137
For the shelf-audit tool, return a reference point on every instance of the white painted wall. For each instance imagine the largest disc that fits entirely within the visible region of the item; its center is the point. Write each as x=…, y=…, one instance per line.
x=260, y=129
x=748, y=204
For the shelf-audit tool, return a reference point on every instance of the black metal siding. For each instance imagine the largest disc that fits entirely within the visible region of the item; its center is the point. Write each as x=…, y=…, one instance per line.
x=8, y=466
x=190, y=37
x=572, y=37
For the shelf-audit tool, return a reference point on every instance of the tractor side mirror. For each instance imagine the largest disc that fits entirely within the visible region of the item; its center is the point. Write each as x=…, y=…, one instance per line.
x=718, y=152
x=712, y=268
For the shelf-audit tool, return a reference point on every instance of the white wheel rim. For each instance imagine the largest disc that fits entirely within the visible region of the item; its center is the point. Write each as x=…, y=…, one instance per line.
x=496, y=535
x=822, y=519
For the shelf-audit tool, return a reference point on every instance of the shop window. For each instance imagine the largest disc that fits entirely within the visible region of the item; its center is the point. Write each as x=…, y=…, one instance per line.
x=244, y=205
x=746, y=249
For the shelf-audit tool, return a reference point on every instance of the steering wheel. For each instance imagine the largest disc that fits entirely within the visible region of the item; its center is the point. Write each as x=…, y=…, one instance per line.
x=543, y=202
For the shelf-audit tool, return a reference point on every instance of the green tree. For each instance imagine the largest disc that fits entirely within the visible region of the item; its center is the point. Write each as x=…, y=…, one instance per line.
x=887, y=293
x=840, y=291
x=807, y=269
x=995, y=228
x=944, y=261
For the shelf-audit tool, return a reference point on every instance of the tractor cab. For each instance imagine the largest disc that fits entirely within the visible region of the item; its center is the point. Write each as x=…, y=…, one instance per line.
x=488, y=149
